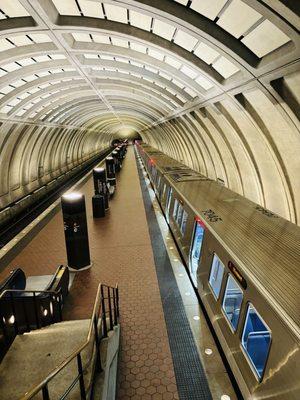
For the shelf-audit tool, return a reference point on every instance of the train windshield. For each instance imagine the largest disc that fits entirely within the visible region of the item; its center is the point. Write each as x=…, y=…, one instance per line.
x=232, y=302
x=196, y=250
x=256, y=340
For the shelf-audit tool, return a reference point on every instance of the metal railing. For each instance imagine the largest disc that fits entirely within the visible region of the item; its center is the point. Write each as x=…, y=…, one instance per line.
x=25, y=310
x=104, y=317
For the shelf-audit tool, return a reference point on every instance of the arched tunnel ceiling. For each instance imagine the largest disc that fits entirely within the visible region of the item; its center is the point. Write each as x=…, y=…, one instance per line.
x=214, y=83
x=162, y=55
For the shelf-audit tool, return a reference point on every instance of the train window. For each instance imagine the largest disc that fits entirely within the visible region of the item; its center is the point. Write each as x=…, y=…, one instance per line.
x=232, y=301
x=216, y=275
x=158, y=182
x=170, y=191
x=161, y=190
x=179, y=215
x=196, y=249
x=153, y=172
x=256, y=340
x=183, y=222
x=175, y=209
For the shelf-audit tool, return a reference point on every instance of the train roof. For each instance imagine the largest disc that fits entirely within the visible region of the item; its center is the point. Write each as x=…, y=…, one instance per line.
x=266, y=246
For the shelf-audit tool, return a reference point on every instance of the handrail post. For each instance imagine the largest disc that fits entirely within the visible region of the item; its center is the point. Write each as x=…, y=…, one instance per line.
x=115, y=307
x=118, y=311
x=103, y=313
x=45, y=392
x=110, y=309
x=81, y=379
x=16, y=328
x=98, y=358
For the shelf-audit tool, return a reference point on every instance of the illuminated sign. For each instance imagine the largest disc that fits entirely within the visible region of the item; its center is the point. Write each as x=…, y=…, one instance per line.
x=237, y=274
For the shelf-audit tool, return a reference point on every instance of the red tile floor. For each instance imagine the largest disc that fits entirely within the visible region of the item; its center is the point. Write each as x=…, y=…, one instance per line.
x=121, y=252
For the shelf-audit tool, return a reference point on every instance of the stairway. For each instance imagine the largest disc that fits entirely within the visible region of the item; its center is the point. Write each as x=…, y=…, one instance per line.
x=67, y=360
x=34, y=355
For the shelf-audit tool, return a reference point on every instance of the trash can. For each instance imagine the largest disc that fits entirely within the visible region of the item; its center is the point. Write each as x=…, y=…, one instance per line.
x=115, y=156
x=100, y=185
x=111, y=174
x=98, y=206
x=119, y=155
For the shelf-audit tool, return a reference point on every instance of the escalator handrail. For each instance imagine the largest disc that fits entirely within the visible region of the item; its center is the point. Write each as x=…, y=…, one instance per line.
x=11, y=277
x=54, y=292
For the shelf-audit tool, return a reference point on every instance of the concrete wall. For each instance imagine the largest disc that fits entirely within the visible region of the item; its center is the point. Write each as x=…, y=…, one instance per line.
x=251, y=141
x=34, y=154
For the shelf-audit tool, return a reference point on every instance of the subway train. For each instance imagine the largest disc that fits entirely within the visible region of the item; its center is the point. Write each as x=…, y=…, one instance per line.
x=244, y=261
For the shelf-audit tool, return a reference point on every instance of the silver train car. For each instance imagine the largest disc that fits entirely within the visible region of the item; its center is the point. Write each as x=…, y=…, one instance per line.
x=244, y=261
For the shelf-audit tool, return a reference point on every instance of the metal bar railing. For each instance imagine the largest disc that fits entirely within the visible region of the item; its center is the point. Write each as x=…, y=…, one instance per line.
x=110, y=310
x=81, y=378
x=98, y=314
x=115, y=306
x=15, y=302
x=45, y=393
x=97, y=342
x=103, y=312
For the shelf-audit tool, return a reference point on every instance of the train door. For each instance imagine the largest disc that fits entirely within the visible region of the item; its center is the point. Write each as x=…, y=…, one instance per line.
x=168, y=203
x=195, y=251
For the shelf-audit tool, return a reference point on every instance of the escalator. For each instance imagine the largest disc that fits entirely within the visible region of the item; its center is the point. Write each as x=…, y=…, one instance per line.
x=30, y=303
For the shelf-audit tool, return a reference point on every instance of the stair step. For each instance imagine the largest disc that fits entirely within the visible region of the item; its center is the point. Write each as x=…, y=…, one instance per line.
x=33, y=355
x=58, y=326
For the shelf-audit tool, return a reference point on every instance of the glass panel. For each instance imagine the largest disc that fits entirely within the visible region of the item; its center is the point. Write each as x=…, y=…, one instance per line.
x=158, y=183
x=175, y=209
x=162, y=194
x=179, y=215
x=196, y=249
x=183, y=222
x=216, y=275
x=170, y=191
x=232, y=301
x=256, y=340
x=154, y=172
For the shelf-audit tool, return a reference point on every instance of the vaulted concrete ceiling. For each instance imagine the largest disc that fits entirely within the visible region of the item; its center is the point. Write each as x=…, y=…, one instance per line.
x=214, y=83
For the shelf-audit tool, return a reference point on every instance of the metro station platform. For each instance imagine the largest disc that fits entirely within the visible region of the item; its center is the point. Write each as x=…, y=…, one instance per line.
x=167, y=350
